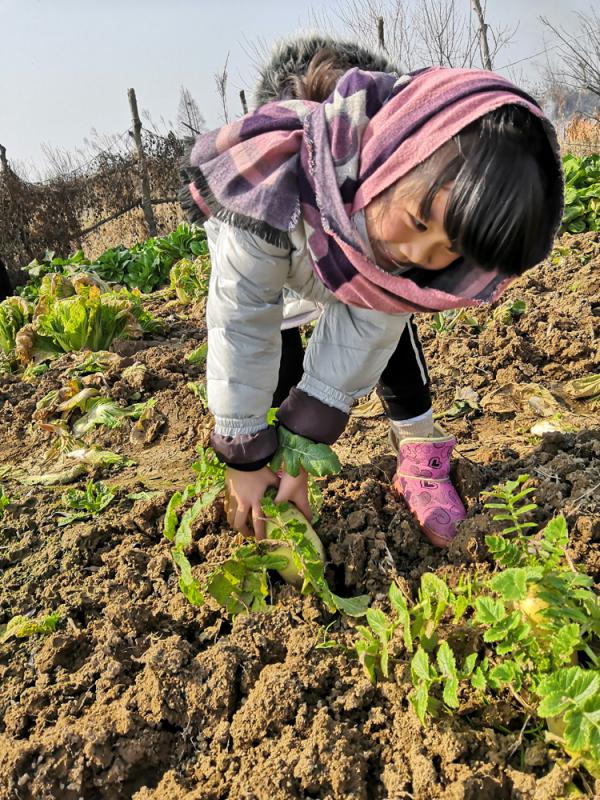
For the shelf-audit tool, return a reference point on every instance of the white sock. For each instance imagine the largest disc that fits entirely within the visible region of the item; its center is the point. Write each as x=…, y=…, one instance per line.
x=420, y=427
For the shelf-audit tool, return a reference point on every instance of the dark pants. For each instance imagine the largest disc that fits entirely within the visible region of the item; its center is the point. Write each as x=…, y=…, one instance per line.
x=404, y=387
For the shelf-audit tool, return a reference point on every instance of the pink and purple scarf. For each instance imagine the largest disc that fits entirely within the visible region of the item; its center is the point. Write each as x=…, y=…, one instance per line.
x=299, y=161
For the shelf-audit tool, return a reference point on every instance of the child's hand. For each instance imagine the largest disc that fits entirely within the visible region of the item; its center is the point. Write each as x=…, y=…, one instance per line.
x=295, y=490
x=243, y=493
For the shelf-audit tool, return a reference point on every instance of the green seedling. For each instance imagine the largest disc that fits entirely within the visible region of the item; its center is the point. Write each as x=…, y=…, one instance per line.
x=444, y=322
x=426, y=672
x=510, y=311
x=329, y=644
x=189, y=279
x=85, y=503
x=198, y=356
x=198, y=389
x=4, y=500
x=22, y=627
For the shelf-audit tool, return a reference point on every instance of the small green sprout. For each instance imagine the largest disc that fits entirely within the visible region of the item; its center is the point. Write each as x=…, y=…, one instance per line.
x=85, y=502
x=22, y=626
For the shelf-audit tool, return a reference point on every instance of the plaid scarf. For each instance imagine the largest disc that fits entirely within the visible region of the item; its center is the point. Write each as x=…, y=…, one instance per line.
x=299, y=161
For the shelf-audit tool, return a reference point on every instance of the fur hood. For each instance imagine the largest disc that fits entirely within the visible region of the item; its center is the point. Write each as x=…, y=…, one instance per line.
x=291, y=57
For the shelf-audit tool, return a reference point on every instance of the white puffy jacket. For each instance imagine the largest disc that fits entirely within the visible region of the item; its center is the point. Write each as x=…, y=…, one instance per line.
x=257, y=288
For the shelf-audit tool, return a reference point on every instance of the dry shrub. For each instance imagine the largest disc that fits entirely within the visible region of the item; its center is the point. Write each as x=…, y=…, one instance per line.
x=582, y=136
x=53, y=214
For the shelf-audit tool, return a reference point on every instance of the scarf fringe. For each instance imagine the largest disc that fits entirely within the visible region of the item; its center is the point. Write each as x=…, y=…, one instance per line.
x=259, y=228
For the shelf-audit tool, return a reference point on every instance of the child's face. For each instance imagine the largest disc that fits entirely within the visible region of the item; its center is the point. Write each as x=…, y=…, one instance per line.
x=398, y=234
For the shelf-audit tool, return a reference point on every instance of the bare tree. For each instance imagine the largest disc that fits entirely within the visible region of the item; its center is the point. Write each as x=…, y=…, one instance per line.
x=580, y=53
x=189, y=118
x=429, y=33
x=448, y=36
x=221, y=80
x=376, y=24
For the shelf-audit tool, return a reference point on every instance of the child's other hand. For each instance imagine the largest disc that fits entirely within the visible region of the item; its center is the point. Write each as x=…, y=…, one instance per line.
x=295, y=490
x=243, y=493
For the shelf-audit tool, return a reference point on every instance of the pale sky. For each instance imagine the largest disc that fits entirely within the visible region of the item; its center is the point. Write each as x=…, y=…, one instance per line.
x=66, y=65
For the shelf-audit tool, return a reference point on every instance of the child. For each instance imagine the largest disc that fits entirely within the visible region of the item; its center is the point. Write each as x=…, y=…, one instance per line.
x=363, y=196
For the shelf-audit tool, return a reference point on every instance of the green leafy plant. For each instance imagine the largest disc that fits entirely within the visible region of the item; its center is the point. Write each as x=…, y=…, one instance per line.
x=570, y=702
x=189, y=279
x=582, y=194
x=296, y=452
x=4, y=500
x=510, y=311
x=240, y=584
x=51, y=264
x=537, y=619
x=96, y=362
x=148, y=322
x=146, y=266
x=198, y=356
x=85, y=503
x=95, y=409
x=286, y=525
x=198, y=389
x=291, y=547
x=444, y=322
x=22, y=626
x=104, y=411
x=90, y=320
x=15, y=313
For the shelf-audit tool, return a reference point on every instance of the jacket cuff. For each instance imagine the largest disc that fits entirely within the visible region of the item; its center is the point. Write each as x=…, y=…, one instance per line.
x=245, y=452
x=306, y=416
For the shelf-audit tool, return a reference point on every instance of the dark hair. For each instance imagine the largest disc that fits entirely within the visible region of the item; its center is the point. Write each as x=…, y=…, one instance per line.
x=503, y=204
x=323, y=72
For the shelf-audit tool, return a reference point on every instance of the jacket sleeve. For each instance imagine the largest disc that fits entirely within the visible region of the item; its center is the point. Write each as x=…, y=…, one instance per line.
x=347, y=352
x=244, y=315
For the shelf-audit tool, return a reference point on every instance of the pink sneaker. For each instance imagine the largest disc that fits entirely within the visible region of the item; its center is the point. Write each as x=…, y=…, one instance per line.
x=422, y=478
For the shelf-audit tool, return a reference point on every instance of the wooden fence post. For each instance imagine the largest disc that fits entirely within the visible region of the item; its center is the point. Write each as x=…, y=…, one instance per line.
x=145, y=180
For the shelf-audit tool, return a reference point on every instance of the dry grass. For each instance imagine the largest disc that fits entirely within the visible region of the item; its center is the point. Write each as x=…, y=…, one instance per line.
x=582, y=136
x=131, y=228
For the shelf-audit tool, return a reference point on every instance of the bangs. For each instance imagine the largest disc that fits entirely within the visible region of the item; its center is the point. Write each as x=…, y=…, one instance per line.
x=499, y=213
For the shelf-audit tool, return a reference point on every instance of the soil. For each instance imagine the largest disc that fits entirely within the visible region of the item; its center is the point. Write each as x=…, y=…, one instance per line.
x=139, y=694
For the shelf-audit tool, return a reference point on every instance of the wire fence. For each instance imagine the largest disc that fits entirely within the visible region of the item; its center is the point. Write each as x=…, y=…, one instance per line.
x=57, y=214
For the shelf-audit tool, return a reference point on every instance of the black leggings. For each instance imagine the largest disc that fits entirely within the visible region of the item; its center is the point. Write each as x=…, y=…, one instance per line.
x=404, y=387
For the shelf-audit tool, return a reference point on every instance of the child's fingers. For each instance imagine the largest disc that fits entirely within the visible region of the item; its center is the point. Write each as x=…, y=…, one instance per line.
x=240, y=520
x=303, y=506
x=275, y=480
x=297, y=496
x=258, y=522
